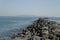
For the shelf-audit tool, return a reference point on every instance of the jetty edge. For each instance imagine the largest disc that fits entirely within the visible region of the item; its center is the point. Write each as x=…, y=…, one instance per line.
x=41, y=29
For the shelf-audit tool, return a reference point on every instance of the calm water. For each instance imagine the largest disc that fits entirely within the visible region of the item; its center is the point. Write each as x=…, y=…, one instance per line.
x=10, y=24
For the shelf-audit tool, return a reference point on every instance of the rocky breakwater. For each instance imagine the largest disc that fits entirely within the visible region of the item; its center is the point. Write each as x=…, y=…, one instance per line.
x=41, y=29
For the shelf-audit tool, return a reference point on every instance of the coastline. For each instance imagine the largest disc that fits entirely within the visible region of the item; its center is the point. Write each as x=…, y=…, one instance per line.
x=42, y=28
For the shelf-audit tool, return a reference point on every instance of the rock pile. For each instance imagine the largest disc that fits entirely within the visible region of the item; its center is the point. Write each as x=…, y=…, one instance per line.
x=41, y=29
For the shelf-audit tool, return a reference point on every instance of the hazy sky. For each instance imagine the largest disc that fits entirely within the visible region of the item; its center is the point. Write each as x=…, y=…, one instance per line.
x=30, y=7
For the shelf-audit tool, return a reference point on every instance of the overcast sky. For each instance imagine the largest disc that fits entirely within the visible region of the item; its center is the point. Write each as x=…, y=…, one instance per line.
x=30, y=7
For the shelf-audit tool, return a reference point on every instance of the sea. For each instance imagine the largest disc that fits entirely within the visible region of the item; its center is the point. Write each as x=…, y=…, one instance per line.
x=11, y=24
